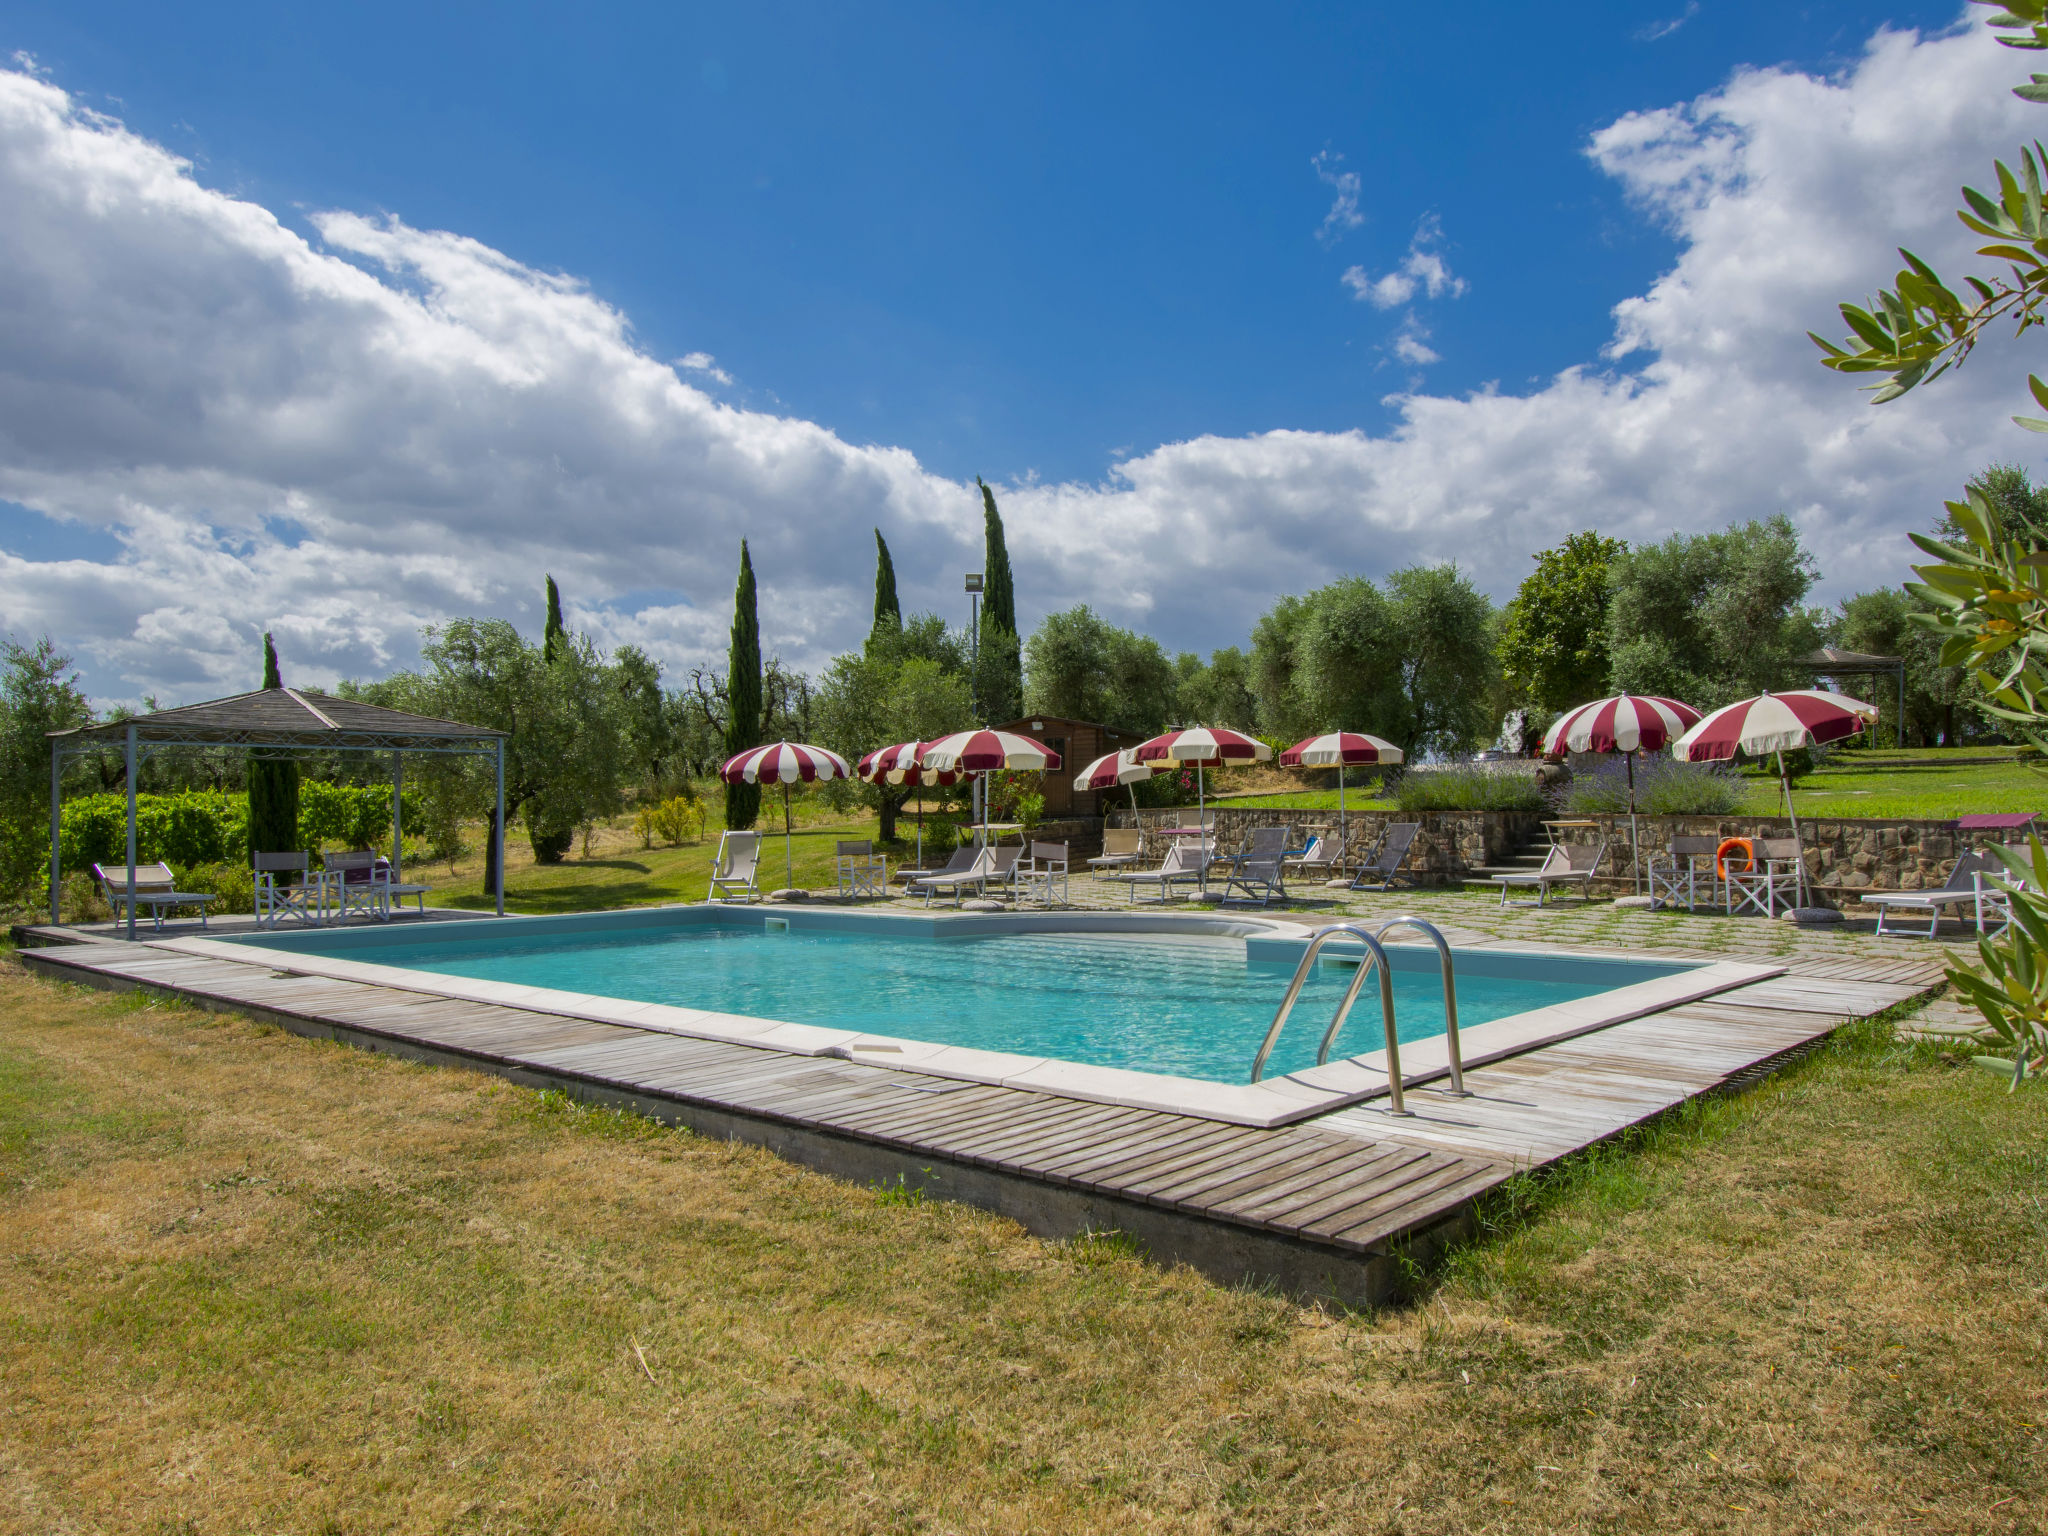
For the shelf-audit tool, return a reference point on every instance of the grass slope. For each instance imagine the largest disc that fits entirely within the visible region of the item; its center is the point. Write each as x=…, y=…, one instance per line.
x=253, y=1282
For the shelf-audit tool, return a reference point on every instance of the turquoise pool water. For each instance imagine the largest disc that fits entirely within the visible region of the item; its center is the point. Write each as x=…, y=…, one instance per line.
x=1190, y=1005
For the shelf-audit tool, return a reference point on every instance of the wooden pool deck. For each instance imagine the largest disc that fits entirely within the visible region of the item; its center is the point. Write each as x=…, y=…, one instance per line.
x=1330, y=1206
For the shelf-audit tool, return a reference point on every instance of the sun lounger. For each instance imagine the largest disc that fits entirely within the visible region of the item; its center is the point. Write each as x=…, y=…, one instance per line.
x=1260, y=871
x=962, y=859
x=1383, y=867
x=1323, y=856
x=1965, y=888
x=1120, y=847
x=1185, y=862
x=990, y=864
x=153, y=889
x=1565, y=864
x=735, y=868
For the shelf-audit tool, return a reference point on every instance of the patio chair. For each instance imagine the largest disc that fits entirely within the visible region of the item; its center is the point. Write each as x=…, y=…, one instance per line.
x=1120, y=846
x=1184, y=862
x=285, y=888
x=860, y=872
x=1965, y=887
x=1773, y=879
x=1382, y=869
x=1684, y=874
x=1045, y=869
x=397, y=889
x=1323, y=856
x=153, y=889
x=1260, y=871
x=358, y=885
x=736, y=867
x=1565, y=864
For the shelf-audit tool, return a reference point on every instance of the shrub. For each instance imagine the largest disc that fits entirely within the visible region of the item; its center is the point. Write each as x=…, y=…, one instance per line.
x=675, y=821
x=234, y=884
x=1468, y=787
x=1664, y=787
x=206, y=826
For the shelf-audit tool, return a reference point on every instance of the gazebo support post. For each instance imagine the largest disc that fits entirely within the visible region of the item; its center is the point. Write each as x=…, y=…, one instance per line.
x=131, y=833
x=498, y=829
x=397, y=829
x=56, y=829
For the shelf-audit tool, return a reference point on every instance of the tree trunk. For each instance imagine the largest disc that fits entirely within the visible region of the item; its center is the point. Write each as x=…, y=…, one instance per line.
x=891, y=804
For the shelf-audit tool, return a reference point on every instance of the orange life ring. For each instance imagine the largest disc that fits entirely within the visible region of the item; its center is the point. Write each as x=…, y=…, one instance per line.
x=1729, y=845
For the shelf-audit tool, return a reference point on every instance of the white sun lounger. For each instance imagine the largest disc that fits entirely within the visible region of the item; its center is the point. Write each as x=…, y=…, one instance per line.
x=1565, y=864
x=153, y=890
x=1965, y=888
x=1120, y=846
x=1184, y=862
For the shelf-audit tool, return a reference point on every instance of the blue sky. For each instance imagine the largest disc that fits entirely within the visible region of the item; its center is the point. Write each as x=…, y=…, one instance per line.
x=1122, y=261
x=1013, y=240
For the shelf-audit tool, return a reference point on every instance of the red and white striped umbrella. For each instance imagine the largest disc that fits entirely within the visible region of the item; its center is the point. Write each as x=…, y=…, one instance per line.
x=1340, y=749
x=1115, y=768
x=987, y=752
x=1204, y=746
x=784, y=762
x=1625, y=723
x=1774, y=722
x=899, y=765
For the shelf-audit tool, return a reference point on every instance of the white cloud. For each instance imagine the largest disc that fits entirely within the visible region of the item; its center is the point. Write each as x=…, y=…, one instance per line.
x=1411, y=344
x=1343, y=212
x=343, y=438
x=1656, y=31
x=1422, y=271
x=704, y=363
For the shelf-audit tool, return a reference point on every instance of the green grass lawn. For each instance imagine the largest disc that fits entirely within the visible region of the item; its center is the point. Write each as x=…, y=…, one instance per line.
x=620, y=873
x=253, y=1282
x=1923, y=785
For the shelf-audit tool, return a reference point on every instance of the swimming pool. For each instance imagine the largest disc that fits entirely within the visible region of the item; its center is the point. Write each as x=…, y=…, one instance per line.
x=1191, y=1000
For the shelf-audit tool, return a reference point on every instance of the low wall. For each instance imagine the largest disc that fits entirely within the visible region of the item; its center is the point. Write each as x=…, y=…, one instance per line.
x=1450, y=846
x=1845, y=855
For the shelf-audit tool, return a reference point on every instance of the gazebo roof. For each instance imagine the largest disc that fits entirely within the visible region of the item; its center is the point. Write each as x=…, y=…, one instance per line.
x=290, y=717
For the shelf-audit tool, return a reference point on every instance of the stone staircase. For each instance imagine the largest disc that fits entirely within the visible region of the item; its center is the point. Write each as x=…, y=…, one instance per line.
x=1526, y=859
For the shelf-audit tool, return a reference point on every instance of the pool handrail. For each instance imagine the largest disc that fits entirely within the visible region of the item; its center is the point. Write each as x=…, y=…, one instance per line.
x=1376, y=959
x=1443, y=949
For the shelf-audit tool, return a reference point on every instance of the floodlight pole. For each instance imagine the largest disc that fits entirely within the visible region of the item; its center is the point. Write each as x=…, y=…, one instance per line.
x=131, y=834
x=56, y=829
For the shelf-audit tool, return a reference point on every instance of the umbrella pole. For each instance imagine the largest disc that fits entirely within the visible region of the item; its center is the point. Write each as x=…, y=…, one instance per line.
x=1635, y=859
x=1343, y=823
x=1202, y=828
x=788, y=857
x=1792, y=815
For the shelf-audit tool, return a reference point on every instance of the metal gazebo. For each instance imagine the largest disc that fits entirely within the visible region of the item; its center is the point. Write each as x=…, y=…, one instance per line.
x=1830, y=662
x=276, y=722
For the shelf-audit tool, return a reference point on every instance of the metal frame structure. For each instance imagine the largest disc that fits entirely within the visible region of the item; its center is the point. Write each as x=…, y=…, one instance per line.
x=1829, y=662
x=277, y=722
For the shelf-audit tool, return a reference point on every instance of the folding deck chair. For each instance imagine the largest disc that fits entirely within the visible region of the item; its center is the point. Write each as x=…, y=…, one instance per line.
x=1382, y=868
x=1323, y=856
x=1120, y=847
x=1260, y=871
x=860, y=872
x=736, y=867
x=285, y=887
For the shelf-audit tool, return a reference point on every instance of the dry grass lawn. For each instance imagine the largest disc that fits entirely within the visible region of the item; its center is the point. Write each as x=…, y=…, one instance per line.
x=254, y=1283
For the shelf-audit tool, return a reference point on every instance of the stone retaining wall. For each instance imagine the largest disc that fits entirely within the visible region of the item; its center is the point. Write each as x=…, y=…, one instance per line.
x=1450, y=846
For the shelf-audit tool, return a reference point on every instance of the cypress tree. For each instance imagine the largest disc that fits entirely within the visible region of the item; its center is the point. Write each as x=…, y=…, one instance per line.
x=555, y=639
x=743, y=694
x=273, y=784
x=888, y=612
x=1000, y=687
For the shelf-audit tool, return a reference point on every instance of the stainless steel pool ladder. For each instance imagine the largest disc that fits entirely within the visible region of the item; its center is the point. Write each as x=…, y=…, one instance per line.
x=1375, y=960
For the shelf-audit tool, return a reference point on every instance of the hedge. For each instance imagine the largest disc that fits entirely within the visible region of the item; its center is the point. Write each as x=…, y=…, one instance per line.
x=209, y=827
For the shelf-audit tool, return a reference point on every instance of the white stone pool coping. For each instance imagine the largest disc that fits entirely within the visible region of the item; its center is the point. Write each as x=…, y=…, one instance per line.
x=1276, y=1101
